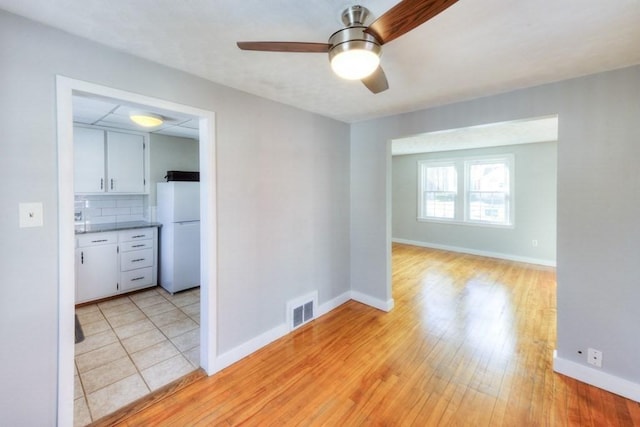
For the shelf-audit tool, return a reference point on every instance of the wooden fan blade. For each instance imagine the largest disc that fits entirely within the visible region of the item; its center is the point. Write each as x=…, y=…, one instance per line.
x=404, y=17
x=285, y=46
x=376, y=82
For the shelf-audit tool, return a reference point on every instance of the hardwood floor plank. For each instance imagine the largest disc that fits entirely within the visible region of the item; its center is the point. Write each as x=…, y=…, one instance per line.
x=469, y=342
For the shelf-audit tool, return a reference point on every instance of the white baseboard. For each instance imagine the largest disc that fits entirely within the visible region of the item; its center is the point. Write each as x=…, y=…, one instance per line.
x=373, y=302
x=596, y=378
x=245, y=349
x=528, y=260
x=333, y=304
x=251, y=346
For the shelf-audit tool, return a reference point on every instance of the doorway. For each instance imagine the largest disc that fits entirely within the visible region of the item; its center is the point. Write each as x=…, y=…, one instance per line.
x=66, y=88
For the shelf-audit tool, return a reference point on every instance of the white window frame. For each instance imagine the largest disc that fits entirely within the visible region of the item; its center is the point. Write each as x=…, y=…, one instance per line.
x=422, y=167
x=462, y=207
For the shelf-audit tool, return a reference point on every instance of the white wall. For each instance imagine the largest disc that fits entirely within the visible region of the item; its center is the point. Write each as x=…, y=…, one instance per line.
x=283, y=202
x=598, y=238
x=534, y=175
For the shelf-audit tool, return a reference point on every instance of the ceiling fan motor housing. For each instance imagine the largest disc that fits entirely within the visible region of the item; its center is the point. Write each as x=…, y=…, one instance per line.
x=352, y=38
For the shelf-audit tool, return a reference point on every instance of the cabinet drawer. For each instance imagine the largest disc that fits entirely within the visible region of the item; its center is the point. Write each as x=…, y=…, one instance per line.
x=94, y=239
x=136, y=245
x=136, y=278
x=136, y=234
x=136, y=259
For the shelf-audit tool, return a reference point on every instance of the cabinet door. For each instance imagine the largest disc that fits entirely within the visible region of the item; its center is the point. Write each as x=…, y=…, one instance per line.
x=96, y=272
x=88, y=152
x=125, y=163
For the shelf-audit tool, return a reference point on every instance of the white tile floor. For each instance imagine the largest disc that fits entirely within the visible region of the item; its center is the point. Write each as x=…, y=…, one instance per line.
x=133, y=345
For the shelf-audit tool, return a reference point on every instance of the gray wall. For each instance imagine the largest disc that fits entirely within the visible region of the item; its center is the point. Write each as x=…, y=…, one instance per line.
x=283, y=202
x=170, y=153
x=535, y=206
x=598, y=238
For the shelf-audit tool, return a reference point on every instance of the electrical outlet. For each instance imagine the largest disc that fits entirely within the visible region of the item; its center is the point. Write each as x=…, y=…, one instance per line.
x=534, y=243
x=594, y=357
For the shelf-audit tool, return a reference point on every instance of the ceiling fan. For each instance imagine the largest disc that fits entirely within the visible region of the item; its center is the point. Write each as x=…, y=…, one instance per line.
x=354, y=51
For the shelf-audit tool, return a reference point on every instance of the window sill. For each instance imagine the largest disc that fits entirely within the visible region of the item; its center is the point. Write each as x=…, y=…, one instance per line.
x=466, y=223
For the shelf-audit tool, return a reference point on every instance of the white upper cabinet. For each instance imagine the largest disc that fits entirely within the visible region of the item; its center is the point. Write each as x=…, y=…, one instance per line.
x=88, y=149
x=125, y=162
x=109, y=162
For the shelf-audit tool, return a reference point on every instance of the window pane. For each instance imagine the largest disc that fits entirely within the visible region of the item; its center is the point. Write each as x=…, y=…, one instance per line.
x=441, y=178
x=440, y=188
x=440, y=204
x=489, y=177
x=489, y=207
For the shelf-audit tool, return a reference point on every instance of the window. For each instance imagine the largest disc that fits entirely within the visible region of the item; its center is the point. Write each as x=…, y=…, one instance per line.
x=439, y=191
x=483, y=195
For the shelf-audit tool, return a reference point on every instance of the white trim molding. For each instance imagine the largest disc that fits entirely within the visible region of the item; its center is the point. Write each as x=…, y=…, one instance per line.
x=372, y=302
x=508, y=257
x=596, y=378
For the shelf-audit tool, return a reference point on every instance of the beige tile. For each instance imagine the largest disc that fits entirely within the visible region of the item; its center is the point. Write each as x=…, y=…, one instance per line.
x=188, y=340
x=125, y=318
x=165, y=372
x=191, y=309
x=178, y=328
x=93, y=342
x=143, y=340
x=117, y=310
x=171, y=316
x=193, y=356
x=95, y=327
x=87, y=309
x=89, y=317
x=134, y=328
x=155, y=354
x=114, y=302
x=185, y=298
x=159, y=308
x=99, y=357
x=81, y=415
x=150, y=300
x=143, y=295
x=77, y=387
x=115, y=396
x=108, y=374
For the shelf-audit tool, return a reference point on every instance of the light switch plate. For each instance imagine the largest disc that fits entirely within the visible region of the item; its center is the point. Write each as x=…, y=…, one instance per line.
x=31, y=215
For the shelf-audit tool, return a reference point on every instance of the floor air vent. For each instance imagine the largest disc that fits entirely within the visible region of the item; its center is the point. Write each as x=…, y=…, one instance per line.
x=302, y=310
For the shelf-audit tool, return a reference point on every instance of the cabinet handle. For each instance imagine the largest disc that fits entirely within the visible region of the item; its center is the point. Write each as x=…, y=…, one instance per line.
x=137, y=278
x=102, y=183
x=138, y=260
x=99, y=240
x=81, y=257
x=138, y=246
x=137, y=236
x=112, y=183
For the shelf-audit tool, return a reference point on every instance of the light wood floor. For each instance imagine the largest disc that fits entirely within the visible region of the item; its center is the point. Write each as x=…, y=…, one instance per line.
x=469, y=342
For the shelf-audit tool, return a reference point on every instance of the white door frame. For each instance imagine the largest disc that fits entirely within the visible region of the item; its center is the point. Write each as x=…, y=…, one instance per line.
x=65, y=88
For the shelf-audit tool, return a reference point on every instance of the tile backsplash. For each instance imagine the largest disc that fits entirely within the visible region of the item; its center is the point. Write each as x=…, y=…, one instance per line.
x=110, y=209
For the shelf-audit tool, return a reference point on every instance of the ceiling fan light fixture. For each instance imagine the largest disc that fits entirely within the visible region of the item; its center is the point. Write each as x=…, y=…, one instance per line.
x=355, y=64
x=354, y=54
x=144, y=119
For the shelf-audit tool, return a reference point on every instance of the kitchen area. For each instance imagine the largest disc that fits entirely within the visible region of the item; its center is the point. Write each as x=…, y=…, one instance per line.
x=137, y=253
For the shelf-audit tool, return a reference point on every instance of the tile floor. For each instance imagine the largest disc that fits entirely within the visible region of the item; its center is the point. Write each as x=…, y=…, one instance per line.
x=133, y=345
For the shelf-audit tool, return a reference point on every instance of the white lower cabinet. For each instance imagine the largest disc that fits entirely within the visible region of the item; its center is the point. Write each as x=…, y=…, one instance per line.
x=115, y=262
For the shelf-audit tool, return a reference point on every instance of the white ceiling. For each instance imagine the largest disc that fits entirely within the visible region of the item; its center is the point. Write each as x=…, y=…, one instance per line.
x=542, y=129
x=473, y=49
x=113, y=114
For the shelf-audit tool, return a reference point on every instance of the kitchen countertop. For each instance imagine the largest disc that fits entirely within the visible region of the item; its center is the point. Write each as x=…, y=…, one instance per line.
x=115, y=226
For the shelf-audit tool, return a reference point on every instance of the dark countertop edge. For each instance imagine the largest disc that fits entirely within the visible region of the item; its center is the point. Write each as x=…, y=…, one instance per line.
x=99, y=228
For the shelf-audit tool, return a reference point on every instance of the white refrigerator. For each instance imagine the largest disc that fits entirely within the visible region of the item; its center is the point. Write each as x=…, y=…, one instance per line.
x=178, y=210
